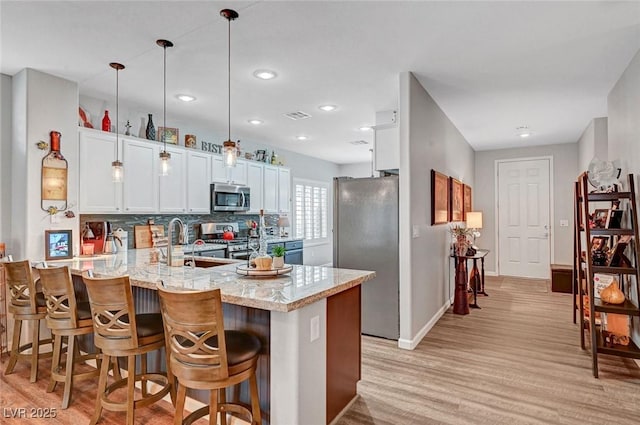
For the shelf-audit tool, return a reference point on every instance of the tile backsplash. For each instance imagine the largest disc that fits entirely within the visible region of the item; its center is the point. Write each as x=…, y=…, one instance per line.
x=127, y=221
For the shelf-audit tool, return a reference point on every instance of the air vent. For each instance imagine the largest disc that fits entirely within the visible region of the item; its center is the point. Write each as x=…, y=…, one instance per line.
x=299, y=115
x=359, y=142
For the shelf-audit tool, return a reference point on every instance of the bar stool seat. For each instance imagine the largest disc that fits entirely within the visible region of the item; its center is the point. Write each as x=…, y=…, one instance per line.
x=202, y=355
x=120, y=332
x=67, y=318
x=26, y=304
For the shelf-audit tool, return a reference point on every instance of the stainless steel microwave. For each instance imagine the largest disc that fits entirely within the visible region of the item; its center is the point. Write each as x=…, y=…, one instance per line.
x=229, y=197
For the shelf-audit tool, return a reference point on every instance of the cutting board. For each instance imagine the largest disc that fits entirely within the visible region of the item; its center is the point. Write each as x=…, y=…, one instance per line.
x=144, y=235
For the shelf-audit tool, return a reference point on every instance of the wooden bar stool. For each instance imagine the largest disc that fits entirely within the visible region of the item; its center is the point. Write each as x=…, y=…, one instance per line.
x=66, y=318
x=202, y=355
x=26, y=304
x=119, y=332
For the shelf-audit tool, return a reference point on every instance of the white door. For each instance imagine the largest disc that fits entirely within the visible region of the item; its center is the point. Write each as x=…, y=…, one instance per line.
x=270, y=189
x=198, y=182
x=523, y=218
x=173, y=194
x=140, y=185
x=98, y=193
x=254, y=181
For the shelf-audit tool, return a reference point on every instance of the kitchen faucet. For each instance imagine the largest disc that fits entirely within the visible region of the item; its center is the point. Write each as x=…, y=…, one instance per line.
x=182, y=238
x=192, y=262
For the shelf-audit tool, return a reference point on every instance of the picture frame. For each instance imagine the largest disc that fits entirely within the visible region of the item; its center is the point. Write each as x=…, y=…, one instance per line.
x=58, y=244
x=600, y=243
x=171, y=134
x=261, y=155
x=616, y=254
x=467, y=202
x=439, y=198
x=600, y=218
x=456, y=200
x=614, y=219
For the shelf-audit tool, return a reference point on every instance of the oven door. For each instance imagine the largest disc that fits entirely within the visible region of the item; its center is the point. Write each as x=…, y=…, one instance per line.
x=239, y=255
x=227, y=197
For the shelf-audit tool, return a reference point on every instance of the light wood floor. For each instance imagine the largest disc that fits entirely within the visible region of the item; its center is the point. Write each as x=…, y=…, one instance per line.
x=515, y=361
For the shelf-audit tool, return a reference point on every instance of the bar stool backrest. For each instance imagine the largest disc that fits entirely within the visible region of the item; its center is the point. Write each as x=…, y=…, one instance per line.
x=112, y=312
x=21, y=287
x=190, y=319
x=57, y=285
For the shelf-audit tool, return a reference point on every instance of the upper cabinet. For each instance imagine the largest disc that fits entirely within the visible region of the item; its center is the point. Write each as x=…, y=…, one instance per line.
x=185, y=190
x=198, y=182
x=98, y=193
x=140, y=187
x=173, y=197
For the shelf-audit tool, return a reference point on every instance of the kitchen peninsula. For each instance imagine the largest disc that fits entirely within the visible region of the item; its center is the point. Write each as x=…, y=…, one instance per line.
x=308, y=321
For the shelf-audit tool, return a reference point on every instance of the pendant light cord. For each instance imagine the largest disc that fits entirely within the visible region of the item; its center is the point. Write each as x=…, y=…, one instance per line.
x=117, y=102
x=164, y=101
x=229, y=79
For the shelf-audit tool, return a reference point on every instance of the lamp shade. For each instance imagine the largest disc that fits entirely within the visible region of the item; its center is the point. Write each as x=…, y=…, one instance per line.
x=283, y=222
x=474, y=219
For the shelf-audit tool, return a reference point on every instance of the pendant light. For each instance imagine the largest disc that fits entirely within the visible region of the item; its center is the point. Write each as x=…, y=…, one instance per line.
x=164, y=155
x=117, y=169
x=229, y=146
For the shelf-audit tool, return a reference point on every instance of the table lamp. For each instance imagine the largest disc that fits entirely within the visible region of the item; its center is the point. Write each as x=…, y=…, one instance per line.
x=474, y=221
x=282, y=223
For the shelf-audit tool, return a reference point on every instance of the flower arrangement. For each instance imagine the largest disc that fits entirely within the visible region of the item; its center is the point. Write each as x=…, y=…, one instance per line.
x=461, y=242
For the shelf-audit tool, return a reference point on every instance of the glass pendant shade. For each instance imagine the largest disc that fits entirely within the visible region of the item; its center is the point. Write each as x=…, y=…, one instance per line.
x=117, y=171
x=229, y=153
x=165, y=165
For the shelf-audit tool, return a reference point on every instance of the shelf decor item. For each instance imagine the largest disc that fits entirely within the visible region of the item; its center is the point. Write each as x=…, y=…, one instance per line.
x=278, y=256
x=117, y=168
x=54, y=176
x=461, y=239
x=150, y=133
x=57, y=245
x=190, y=141
x=439, y=198
x=168, y=135
x=612, y=294
x=106, y=122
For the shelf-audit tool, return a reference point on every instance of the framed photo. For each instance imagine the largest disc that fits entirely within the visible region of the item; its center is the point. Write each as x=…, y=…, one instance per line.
x=600, y=218
x=467, y=203
x=171, y=135
x=614, y=219
x=616, y=254
x=58, y=245
x=456, y=200
x=261, y=155
x=600, y=243
x=439, y=198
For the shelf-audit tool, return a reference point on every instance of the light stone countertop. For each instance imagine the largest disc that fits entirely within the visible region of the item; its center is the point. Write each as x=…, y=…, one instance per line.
x=302, y=286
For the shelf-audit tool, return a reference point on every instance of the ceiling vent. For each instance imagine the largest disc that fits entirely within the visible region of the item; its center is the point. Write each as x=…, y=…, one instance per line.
x=359, y=142
x=299, y=115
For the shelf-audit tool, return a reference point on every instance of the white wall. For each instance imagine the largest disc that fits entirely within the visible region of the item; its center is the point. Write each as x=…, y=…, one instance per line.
x=360, y=169
x=565, y=172
x=428, y=139
x=5, y=159
x=592, y=143
x=41, y=103
x=623, y=106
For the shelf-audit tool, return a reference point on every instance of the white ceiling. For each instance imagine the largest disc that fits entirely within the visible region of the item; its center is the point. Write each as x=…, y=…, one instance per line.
x=491, y=66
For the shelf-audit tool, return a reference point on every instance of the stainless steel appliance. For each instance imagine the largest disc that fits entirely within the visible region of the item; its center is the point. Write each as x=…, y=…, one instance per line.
x=366, y=237
x=213, y=233
x=230, y=197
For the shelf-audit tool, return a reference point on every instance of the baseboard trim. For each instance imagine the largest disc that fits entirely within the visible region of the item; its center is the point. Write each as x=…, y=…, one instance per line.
x=494, y=274
x=343, y=411
x=410, y=344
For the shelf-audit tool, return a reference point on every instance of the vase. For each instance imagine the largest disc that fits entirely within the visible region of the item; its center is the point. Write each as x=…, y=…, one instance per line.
x=278, y=262
x=151, y=130
x=462, y=244
x=106, y=122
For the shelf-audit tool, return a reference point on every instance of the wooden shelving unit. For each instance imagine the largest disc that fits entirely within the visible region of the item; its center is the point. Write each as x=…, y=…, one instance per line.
x=584, y=269
x=4, y=347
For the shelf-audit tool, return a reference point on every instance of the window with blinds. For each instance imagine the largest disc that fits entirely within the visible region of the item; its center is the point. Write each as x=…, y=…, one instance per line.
x=310, y=207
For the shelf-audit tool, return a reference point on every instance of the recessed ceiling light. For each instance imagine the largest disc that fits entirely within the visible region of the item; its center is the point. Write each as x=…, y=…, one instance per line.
x=327, y=108
x=523, y=131
x=265, y=74
x=255, y=122
x=366, y=128
x=186, y=97
x=301, y=137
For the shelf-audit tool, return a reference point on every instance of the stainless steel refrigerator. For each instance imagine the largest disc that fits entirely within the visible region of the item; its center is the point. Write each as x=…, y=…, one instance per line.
x=365, y=237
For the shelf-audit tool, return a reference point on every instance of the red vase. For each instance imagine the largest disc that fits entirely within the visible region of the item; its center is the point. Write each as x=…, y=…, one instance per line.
x=106, y=122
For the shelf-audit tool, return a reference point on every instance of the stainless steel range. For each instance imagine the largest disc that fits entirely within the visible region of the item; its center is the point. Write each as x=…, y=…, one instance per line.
x=214, y=233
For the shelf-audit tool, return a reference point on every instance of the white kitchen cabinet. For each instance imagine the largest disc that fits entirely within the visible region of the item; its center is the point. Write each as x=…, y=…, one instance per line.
x=270, y=189
x=140, y=187
x=238, y=174
x=218, y=170
x=198, y=182
x=172, y=194
x=284, y=190
x=98, y=192
x=254, y=181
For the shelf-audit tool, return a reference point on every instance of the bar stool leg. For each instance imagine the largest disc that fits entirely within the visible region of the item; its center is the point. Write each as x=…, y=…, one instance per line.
x=255, y=401
x=15, y=345
x=35, y=348
x=68, y=369
x=180, y=399
x=223, y=399
x=131, y=381
x=143, y=380
x=213, y=407
x=102, y=385
x=55, y=361
x=116, y=368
